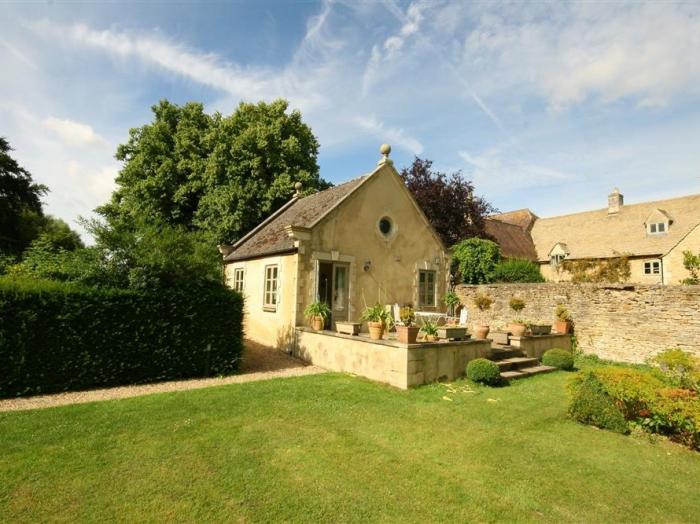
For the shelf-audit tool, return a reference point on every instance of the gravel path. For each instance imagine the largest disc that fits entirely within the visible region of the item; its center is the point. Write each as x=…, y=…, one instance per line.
x=259, y=363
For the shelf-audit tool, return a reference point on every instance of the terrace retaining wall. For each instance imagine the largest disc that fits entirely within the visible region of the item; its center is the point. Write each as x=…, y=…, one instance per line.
x=628, y=322
x=400, y=365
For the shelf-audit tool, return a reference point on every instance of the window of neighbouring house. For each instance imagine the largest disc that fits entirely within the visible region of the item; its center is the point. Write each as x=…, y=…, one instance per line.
x=270, y=294
x=657, y=228
x=238, y=276
x=556, y=260
x=426, y=288
x=652, y=267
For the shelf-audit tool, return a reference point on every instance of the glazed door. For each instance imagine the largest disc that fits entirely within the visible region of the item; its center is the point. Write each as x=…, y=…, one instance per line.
x=340, y=292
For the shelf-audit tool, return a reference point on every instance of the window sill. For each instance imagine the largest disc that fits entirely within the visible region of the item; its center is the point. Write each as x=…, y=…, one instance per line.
x=270, y=309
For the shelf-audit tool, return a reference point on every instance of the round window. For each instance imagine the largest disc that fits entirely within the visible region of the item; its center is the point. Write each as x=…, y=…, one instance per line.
x=385, y=226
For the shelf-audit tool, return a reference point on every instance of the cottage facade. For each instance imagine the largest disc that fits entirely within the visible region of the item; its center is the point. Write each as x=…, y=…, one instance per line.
x=361, y=242
x=653, y=235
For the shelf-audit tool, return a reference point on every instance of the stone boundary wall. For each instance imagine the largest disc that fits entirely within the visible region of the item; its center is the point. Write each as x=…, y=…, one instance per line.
x=624, y=322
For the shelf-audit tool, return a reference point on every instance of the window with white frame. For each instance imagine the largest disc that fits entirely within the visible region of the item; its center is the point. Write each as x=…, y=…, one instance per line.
x=652, y=267
x=556, y=260
x=426, y=288
x=270, y=291
x=657, y=228
x=238, y=279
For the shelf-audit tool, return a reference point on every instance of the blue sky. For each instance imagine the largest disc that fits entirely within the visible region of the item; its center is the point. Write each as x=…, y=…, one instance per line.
x=543, y=105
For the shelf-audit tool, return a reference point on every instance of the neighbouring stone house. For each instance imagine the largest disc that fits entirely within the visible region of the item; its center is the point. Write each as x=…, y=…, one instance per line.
x=652, y=234
x=357, y=243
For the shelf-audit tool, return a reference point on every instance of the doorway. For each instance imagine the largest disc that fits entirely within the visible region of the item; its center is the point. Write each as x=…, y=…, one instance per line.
x=333, y=290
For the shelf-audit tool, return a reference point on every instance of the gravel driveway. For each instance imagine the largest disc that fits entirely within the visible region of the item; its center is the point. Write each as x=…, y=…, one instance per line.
x=259, y=363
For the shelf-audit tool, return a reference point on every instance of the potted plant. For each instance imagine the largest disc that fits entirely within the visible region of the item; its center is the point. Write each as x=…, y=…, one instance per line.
x=451, y=300
x=378, y=319
x=562, y=324
x=430, y=330
x=317, y=312
x=483, y=302
x=518, y=327
x=406, y=331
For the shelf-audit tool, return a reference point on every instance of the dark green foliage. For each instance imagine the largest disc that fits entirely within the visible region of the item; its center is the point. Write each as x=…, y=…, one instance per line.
x=148, y=256
x=558, y=358
x=20, y=205
x=590, y=404
x=58, y=337
x=691, y=263
x=475, y=260
x=220, y=175
x=516, y=270
x=59, y=234
x=484, y=371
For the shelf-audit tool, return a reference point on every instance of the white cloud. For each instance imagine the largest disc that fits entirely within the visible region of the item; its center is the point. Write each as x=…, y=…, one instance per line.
x=578, y=52
x=394, y=136
x=73, y=133
x=495, y=172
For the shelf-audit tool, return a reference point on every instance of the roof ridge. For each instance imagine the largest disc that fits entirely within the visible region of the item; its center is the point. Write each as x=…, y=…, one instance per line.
x=625, y=206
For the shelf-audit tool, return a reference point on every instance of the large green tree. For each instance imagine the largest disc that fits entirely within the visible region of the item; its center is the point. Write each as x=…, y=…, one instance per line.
x=217, y=175
x=21, y=215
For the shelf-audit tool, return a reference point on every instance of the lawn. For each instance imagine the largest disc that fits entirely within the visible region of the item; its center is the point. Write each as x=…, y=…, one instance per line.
x=337, y=448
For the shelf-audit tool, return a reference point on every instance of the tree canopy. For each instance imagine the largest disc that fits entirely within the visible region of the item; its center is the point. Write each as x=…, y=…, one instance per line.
x=448, y=201
x=20, y=204
x=218, y=175
x=475, y=260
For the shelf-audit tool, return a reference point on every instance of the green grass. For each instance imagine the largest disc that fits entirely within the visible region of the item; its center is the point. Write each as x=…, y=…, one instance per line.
x=336, y=448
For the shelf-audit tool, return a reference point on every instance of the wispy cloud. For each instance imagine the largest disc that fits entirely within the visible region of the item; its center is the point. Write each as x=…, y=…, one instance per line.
x=396, y=136
x=73, y=133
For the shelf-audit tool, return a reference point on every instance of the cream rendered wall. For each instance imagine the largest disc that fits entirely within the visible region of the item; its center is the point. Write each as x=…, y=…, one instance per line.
x=674, y=271
x=272, y=328
x=351, y=234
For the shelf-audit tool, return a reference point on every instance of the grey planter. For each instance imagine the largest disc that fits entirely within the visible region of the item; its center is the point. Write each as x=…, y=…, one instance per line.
x=453, y=333
x=540, y=329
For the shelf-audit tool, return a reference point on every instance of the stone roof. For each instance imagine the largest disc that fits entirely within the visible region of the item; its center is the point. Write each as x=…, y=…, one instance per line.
x=523, y=218
x=270, y=236
x=599, y=234
x=514, y=241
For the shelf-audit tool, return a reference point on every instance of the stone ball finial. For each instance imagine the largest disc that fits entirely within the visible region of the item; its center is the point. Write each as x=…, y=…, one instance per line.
x=298, y=186
x=385, y=149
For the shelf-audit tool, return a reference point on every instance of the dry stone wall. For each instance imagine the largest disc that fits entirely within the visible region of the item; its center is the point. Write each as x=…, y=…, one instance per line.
x=618, y=322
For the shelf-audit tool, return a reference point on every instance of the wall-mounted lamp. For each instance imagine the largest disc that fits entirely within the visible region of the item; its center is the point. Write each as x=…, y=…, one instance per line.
x=367, y=266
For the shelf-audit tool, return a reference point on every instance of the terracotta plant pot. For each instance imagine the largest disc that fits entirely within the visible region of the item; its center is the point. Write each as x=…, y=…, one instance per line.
x=517, y=330
x=431, y=338
x=562, y=326
x=376, y=330
x=407, y=334
x=317, y=323
x=481, y=332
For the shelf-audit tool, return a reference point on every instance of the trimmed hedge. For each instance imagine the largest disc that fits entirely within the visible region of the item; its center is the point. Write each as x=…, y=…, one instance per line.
x=60, y=337
x=558, y=358
x=484, y=371
x=617, y=398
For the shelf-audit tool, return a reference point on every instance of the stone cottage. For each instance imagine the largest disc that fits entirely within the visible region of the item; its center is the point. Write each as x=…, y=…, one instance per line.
x=361, y=242
x=652, y=234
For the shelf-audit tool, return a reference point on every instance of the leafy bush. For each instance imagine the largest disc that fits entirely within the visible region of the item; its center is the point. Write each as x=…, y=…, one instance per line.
x=475, y=260
x=612, y=270
x=614, y=397
x=562, y=313
x=516, y=304
x=484, y=371
x=558, y=358
x=680, y=367
x=590, y=404
x=58, y=337
x=516, y=270
x=691, y=263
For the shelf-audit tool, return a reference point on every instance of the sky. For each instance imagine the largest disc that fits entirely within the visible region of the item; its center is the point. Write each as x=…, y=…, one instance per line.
x=542, y=105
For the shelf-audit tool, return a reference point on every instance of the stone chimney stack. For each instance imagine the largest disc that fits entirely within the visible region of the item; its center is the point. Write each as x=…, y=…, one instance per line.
x=615, y=201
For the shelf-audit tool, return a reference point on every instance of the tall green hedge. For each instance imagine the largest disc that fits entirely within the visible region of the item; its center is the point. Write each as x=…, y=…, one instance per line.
x=61, y=337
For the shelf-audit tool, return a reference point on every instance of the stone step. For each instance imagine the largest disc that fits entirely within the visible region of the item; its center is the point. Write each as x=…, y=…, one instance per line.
x=526, y=372
x=516, y=363
x=499, y=353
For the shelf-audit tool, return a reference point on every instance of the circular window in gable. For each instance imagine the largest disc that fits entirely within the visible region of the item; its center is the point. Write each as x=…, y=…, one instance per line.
x=385, y=226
